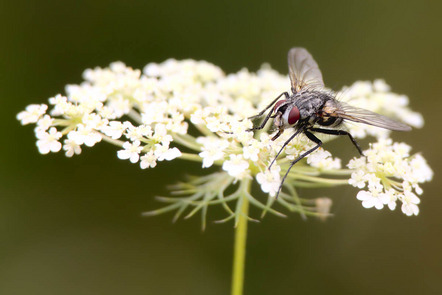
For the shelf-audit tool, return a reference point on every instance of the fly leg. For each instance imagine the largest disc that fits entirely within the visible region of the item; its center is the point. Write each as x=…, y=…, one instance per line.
x=268, y=115
x=269, y=106
x=318, y=144
x=339, y=132
x=284, y=145
x=264, y=122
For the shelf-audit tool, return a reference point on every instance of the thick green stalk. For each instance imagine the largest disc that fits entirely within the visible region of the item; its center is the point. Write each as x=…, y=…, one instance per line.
x=239, y=252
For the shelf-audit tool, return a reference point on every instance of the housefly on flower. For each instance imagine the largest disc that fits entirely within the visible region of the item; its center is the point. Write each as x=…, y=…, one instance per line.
x=311, y=107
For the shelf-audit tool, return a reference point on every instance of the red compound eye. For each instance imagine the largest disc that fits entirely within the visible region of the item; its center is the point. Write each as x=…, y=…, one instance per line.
x=293, y=115
x=275, y=108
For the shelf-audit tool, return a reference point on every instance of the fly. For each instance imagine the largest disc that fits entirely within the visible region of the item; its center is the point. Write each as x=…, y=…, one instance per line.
x=310, y=107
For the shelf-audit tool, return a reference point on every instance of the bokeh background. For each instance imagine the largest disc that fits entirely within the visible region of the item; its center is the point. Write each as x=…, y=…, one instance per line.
x=73, y=226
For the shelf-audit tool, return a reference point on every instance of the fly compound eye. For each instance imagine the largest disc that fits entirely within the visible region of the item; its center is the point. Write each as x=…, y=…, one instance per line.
x=293, y=115
x=278, y=104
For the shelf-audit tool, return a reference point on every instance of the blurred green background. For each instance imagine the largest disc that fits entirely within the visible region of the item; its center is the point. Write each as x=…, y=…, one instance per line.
x=73, y=226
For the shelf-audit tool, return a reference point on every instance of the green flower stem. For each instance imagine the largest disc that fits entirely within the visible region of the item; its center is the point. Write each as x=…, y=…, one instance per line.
x=190, y=157
x=316, y=171
x=111, y=140
x=67, y=129
x=320, y=180
x=187, y=141
x=338, y=172
x=134, y=115
x=239, y=251
x=203, y=129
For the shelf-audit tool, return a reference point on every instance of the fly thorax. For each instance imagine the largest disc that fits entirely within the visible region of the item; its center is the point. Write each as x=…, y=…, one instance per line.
x=309, y=103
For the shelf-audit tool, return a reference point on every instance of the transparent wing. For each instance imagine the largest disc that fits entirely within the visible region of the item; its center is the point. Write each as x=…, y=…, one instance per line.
x=303, y=70
x=359, y=115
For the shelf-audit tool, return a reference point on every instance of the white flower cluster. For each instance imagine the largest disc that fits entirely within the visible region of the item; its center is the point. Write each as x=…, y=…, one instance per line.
x=147, y=115
x=95, y=110
x=390, y=174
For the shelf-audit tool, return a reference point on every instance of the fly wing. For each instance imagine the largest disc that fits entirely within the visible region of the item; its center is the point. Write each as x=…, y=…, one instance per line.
x=360, y=115
x=303, y=70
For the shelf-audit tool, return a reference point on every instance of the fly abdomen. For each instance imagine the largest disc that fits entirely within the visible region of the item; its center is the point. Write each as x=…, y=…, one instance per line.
x=329, y=121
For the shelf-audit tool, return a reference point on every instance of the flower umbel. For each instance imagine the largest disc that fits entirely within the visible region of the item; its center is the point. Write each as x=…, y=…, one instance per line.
x=147, y=115
x=390, y=174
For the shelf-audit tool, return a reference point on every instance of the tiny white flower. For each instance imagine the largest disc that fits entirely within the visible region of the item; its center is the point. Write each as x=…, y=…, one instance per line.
x=48, y=141
x=360, y=88
x=137, y=133
x=421, y=172
x=357, y=130
x=118, y=66
x=120, y=106
x=322, y=159
x=412, y=118
x=389, y=198
x=71, y=148
x=417, y=189
x=131, y=151
x=145, y=130
x=58, y=99
x=106, y=113
x=239, y=129
x=236, y=166
x=370, y=200
x=357, y=179
x=379, y=85
x=94, y=121
x=152, y=69
x=115, y=129
x=161, y=135
x=148, y=160
x=62, y=107
x=197, y=117
x=401, y=150
x=409, y=204
x=270, y=180
x=373, y=182
x=252, y=150
x=69, y=108
x=44, y=123
x=85, y=93
x=163, y=152
x=32, y=113
x=155, y=111
x=212, y=149
x=85, y=135
x=177, y=126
